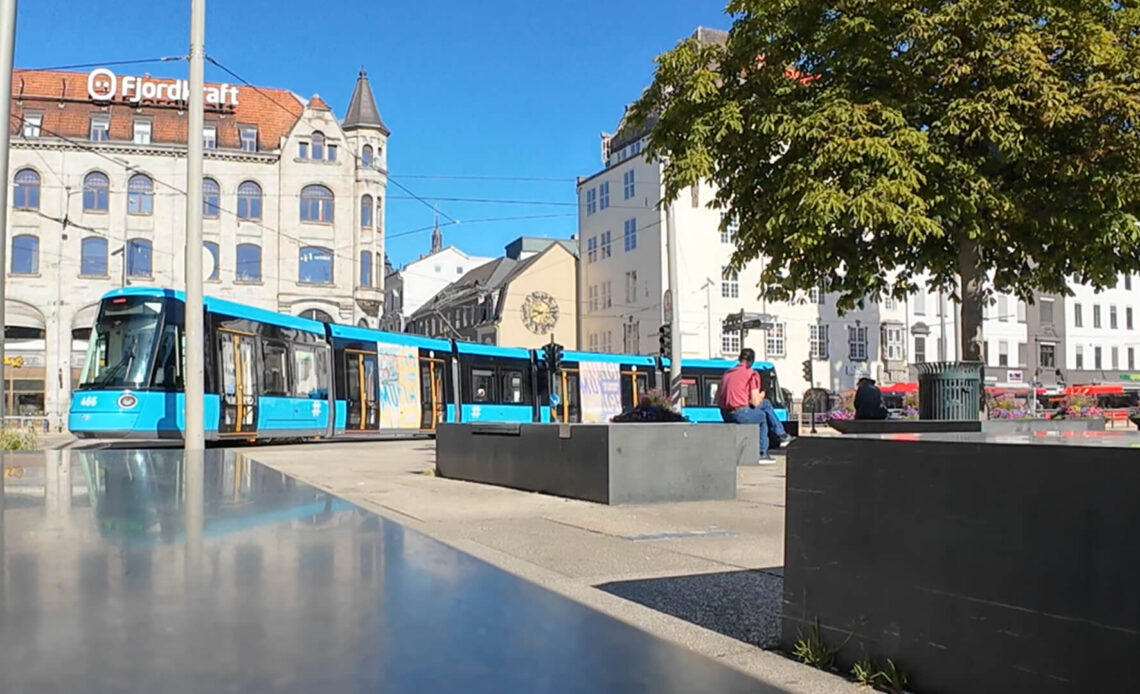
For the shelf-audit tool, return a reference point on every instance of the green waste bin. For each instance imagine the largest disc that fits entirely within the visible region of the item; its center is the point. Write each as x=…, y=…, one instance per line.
x=949, y=390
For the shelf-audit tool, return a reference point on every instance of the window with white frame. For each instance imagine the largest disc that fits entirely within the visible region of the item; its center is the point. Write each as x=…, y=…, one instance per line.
x=1003, y=353
x=32, y=124
x=607, y=294
x=890, y=303
x=894, y=341
x=730, y=283
x=857, y=341
x=919, y=350
x=919, y=302
x=591, y=201
x=728, y=233
x=816, y=296
x=141, y=131
x=608, y=341
x=630, y=234
x=100, y=127
x=593, y=342
x=1021, y=310
x=730, y=343
x=1003, y=308
x=592, y=249
x=819, y=341
x=592, y=304
x=777, y=342
x=631, y=337
x=604, y=195
x=607, y=244
x=631, y=286
x=248, y=136
x=627, y=184
x=210, y=136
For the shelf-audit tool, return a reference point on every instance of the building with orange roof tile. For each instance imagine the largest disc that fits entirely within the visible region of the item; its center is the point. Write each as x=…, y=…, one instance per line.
x=293, y=203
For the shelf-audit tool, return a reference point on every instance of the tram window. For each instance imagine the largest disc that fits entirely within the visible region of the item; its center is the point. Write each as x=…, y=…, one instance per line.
x=275, y=369
x=168, y=365
x=483, y=385
x=690, y=393
x=513, y=388
x=712, y=385
x=308, y=373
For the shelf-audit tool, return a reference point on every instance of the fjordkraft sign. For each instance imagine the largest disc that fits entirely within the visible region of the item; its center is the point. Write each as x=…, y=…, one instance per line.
x=104, y=85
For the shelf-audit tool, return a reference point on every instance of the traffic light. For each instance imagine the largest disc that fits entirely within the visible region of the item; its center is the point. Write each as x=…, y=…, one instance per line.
x=808, y=371
x=552, y=355
x=665, y=340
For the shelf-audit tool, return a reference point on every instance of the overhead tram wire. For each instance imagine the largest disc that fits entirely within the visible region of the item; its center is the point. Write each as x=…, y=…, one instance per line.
x=109, y=63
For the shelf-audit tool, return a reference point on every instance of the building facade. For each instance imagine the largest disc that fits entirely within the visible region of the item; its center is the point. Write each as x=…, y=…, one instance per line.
x=410, y=287
x=524, y=299
x=293, y=205
x=623, y=273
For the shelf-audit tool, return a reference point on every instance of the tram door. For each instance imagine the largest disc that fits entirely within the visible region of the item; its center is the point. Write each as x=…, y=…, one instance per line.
x=239, y=390
x=567, y=386
x=634, y=385
x=432, y=405
x=362, y=389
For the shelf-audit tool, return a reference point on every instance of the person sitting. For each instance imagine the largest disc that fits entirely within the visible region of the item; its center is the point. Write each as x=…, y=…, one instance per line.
x=869, y=401
x=741, y=401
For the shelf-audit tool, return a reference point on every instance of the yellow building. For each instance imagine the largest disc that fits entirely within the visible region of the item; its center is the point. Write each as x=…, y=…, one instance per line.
x=523, y=299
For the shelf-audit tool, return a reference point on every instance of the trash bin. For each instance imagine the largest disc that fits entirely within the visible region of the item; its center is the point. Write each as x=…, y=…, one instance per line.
x=949, y=390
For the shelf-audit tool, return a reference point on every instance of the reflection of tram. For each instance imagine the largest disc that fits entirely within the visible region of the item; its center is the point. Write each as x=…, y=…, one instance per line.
x=140, y=496
x=274, y=376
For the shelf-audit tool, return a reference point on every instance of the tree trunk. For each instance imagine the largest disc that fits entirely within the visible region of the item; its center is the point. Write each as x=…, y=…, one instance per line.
x=972, y=302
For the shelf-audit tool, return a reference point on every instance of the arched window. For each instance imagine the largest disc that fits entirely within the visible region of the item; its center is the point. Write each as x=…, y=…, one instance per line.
x=249, y=200
x=25, y=255
x=316, y=204
x=93, y=257
x=366, y=156
x=248, y=262
x=318, y=146
x=95, y=189
x=138, y=258
x=315, y=265
x=140, y=195
x=365, y=269
x=317, y=315
x=362, y=323
x=26, y=196
x=379, y=213
x=212, y=256
x=366, y=212
x=211, y=197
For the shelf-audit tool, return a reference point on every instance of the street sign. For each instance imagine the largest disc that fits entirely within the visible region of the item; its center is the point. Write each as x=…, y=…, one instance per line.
x=743, y=320
x=667, y=302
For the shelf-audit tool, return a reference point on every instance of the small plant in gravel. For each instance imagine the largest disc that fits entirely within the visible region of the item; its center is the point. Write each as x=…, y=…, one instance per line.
x=893, y=680
x=865, y=673
x=813, y=651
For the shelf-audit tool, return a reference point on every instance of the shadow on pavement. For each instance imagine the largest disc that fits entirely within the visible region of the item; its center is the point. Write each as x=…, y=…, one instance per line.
x=744, y=605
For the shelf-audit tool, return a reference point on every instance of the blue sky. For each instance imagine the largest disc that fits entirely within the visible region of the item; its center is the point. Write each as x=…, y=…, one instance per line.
x=498, y=88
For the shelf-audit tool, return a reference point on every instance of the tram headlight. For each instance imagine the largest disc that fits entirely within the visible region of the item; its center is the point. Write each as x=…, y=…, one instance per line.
x=127, y=401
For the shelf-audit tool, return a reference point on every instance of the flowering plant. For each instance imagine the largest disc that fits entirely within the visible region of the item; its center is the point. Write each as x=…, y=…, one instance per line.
x=1078, y=406
x=1006, y=408
x=652, y=406
x=844, y=409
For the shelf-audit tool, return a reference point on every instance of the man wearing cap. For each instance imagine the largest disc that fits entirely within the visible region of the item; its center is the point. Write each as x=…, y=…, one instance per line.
x=741, y=401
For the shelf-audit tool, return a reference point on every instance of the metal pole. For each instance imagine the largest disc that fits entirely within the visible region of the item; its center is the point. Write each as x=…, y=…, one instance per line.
x=195, y=437
x=7, y=49
x=675, y=319
x=942, y=347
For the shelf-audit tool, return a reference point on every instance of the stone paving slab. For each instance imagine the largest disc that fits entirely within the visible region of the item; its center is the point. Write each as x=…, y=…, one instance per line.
x=705, y=575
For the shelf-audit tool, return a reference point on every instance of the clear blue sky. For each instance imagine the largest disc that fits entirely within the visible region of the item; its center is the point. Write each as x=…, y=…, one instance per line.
x=495, y=88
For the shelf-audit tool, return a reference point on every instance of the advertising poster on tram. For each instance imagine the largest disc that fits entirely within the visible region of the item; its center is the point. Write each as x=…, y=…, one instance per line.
x=601, y=391
x=399, y=376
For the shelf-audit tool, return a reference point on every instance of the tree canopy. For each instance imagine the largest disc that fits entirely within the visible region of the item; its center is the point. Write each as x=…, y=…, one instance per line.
x=858, y=144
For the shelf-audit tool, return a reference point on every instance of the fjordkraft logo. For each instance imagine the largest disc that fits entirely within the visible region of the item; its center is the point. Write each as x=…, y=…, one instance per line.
x=104, y=85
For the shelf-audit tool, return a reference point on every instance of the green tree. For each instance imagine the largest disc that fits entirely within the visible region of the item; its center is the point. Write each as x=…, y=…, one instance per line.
x=860, y=143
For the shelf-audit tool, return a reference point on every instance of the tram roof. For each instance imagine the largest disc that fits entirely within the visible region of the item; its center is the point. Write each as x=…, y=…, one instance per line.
x=722, y=364
x=635, y=359
x=350, y=332
x=230, y=308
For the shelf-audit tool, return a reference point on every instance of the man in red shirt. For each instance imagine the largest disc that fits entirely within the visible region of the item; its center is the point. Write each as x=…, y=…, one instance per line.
x=741, y=401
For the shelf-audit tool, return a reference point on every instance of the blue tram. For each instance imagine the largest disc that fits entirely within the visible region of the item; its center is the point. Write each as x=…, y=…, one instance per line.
x=274, y=376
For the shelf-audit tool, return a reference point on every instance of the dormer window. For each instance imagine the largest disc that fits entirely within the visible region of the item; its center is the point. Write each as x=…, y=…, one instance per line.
x=318, y=146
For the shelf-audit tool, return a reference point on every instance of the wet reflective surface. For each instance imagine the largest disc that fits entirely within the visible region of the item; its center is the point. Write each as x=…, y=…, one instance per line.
x=1115, y=438
x=139, y=571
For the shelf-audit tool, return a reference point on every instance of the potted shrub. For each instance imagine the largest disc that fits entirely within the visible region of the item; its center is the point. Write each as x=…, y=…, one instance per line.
x=1078, y=406
x=652, y=406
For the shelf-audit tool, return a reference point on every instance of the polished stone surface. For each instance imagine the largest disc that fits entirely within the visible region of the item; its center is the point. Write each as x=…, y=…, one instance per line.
x=1098, y=439
x=138, y=571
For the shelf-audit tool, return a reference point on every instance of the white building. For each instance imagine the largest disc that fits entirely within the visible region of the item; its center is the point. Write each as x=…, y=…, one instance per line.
x=413, y=285
x=623, y=273
x=1100, y=331
x=293, y=206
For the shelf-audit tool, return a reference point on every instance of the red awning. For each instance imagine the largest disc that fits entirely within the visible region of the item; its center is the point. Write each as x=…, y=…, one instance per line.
x=900, y=388
x=1103, y=389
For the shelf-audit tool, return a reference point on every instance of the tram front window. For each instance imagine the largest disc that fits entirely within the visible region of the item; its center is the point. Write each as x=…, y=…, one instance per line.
x=121, y=348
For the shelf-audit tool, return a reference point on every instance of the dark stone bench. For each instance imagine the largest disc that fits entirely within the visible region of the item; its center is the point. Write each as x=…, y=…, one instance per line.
x=977, y=562
x=606, y=463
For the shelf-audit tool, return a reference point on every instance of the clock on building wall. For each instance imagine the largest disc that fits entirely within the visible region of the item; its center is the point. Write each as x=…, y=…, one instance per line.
x=539, y=313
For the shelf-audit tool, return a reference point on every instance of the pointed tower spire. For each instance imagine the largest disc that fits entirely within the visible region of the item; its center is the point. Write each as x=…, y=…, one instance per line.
x=362, y=111
x=436, y=236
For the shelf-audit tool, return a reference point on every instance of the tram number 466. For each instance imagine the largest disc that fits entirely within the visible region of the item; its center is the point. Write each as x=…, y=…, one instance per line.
x=89, y=401
x=13, y=472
